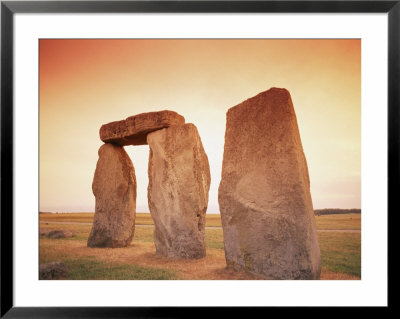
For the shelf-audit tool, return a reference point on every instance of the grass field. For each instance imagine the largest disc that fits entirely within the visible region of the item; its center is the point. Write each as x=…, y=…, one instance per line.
x=141, y=218
x=326, y=222
x=340, y=251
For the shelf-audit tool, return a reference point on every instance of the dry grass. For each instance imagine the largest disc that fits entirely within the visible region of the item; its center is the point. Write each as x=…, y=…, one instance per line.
x=212, y=267
x=340, y=252
x=141, y=218
x=340, y=221
x=67, y=217
x=324, y=222
x=331, y=275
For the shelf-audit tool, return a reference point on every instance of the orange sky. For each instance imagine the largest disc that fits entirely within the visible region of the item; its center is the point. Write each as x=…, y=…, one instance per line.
x=86, y=83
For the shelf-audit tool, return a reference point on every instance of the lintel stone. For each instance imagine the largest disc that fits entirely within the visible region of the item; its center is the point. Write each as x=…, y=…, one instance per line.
x=134, y=129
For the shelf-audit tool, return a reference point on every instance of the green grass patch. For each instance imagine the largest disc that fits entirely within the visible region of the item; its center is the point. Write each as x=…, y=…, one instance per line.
x=341, y=252
x=88, y=268
x=214, y=238
x=143, y=234
x=92, y=269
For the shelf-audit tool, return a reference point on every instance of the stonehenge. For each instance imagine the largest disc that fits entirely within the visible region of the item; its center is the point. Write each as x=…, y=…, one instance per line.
x=134, y=130
x=179, y=181
x=264, y=194
x=114, y=187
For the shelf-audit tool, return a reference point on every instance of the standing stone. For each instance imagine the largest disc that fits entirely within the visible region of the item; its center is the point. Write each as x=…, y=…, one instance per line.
x=179, y=181
x=264, y=195
x=114, y=186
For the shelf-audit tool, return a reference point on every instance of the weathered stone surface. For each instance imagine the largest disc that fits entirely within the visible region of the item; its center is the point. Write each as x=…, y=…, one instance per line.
x=44, y=231
x=52, y=270
x=264, y=194
x=114, y=186
x=179, y=181
x=134, y=130
x=60, y=234
x=55, y=233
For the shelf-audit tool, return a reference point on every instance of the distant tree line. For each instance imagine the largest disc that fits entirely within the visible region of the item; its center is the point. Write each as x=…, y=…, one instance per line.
x=330, y=211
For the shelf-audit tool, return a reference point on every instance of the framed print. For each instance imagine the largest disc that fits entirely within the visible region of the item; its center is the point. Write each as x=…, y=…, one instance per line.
x=162, y=155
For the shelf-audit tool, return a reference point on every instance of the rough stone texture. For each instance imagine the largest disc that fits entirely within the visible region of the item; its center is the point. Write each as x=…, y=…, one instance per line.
x=44, y=231
x=55, y=233
x=53, y=270
x=60, y=234
x=114, y=186
x=179, y=181
x=264, y=194
x=134, y=130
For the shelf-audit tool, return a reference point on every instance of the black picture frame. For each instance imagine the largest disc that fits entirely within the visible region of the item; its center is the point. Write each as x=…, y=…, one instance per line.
x=9, y=8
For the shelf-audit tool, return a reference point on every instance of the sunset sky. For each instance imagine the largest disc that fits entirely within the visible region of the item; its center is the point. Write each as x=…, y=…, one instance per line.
x=87, y=83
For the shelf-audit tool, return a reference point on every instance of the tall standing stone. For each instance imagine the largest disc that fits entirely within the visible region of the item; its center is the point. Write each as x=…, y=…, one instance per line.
x=179, y=181
x=264, y=195
x=114, y=186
